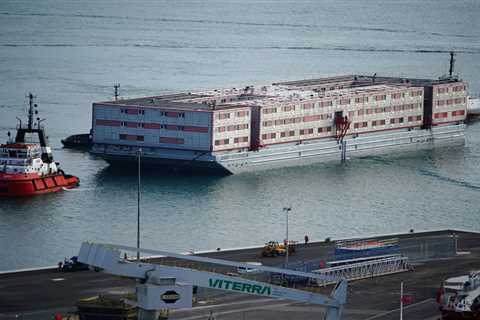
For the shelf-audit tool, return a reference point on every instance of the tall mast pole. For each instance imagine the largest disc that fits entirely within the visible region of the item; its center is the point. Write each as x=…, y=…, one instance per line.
x=286, y=210
x=30, y=111
x=116, y=86
x=138, y=207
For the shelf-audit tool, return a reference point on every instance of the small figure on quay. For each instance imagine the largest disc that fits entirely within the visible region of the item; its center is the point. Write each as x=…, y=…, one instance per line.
x=60, y=265
x=211, y=316
x=306, y=240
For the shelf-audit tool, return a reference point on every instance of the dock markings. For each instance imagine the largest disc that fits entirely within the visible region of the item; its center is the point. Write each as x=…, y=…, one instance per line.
x=210, y=306
x=398, y=309
x=37, y=314
x=222, y=313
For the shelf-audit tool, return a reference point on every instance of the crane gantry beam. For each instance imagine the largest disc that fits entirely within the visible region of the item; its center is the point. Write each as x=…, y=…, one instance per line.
x=158, y=280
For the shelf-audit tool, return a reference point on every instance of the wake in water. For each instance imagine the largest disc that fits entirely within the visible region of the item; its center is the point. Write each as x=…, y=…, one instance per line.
x=209, y=47
x=440, y=177
x=422, y=171
x=247, y=23
x=80, y=189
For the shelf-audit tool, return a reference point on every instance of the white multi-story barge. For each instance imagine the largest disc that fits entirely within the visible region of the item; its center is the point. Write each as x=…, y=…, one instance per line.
x=282, y=124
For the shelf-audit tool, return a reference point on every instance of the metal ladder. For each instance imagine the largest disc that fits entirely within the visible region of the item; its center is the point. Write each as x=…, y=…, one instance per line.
x=367, y=269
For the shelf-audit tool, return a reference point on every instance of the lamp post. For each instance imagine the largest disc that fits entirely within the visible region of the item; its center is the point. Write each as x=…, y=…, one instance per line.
x=286, y=210
x=139, y=153
x=401, y=300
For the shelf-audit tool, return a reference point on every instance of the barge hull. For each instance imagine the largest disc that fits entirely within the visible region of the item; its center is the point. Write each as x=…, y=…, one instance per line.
x=297, y=154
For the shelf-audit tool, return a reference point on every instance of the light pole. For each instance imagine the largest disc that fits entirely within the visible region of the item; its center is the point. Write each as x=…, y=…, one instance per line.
x=286, y=210
x=401, y=300
x=139, y=153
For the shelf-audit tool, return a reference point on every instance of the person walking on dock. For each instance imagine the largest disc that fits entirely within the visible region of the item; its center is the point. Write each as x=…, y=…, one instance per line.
x=306, y=240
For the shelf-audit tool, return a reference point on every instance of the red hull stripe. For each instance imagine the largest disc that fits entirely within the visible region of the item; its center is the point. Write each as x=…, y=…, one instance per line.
x=30, y=187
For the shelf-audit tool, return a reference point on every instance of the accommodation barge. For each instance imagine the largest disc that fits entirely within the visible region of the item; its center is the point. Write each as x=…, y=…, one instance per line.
x=281, y=124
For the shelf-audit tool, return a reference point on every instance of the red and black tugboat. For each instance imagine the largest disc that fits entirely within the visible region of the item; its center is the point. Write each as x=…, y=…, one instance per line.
x=26, y=164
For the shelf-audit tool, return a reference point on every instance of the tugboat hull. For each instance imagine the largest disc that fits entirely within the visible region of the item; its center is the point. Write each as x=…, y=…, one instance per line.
x=31, y=184
x=28, y=168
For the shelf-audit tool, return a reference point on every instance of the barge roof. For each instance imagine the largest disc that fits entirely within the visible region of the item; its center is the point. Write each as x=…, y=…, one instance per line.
x=170, y=102
x=366, y=80
x=279, y=92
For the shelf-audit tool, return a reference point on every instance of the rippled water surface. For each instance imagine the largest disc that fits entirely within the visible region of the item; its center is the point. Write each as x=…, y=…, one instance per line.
x=70, y=54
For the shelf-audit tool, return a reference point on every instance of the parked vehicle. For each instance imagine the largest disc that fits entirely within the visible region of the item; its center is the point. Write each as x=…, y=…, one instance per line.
x=273, y=248
x=72, y=264
x=244, y=269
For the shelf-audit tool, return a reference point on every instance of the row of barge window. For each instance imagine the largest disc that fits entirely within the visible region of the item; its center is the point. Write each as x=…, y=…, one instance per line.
x=346, y=101
x=233, y=127
x=133, y=137
x=222, y=142
x=326, y=116
x=228, y=115
x=170, y=114
x=450, y=101
x=174, y=114
x=174, y=140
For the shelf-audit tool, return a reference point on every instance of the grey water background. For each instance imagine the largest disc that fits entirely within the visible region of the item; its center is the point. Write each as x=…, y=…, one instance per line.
x=70, y=53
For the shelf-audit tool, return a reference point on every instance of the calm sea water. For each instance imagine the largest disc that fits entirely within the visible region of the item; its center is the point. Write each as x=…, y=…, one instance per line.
x=71, y=53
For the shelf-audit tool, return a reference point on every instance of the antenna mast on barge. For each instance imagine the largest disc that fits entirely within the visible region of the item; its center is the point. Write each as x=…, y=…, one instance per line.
x=452, y=64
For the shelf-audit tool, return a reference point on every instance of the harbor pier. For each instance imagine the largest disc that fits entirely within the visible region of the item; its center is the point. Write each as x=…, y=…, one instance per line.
x=435, y=256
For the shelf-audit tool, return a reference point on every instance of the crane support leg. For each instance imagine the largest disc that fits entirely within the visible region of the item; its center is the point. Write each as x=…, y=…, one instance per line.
x=148, y=314
x=339, y=293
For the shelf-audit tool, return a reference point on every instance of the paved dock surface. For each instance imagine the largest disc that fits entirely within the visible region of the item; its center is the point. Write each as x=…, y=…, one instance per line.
x=40, y=294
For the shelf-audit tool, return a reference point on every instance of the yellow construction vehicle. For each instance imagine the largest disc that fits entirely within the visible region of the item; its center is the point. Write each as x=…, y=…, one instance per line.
x=273, y=248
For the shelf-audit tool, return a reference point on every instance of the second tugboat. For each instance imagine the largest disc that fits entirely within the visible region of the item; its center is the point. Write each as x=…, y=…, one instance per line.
x=28, y=168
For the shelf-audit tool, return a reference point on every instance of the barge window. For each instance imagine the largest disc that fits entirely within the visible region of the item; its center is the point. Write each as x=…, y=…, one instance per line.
x=240, y=114
x=221, y=142
x=240, y=139
x=171, y=140
x=266, y=136
x=267, y=123
x=222, y=116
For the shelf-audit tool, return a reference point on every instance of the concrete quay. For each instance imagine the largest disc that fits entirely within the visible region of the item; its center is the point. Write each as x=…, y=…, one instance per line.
x=39, y=294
